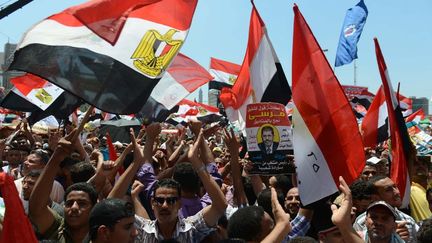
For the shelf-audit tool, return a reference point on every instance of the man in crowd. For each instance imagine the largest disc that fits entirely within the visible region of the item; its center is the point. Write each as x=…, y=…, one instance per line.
x=384, y=189
x=381, y=224
x=111, y=221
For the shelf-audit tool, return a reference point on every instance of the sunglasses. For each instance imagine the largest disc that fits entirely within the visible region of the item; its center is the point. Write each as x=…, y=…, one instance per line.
x=161, y=200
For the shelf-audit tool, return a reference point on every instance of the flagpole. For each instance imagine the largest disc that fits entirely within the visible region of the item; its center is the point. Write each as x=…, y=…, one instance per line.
x=355, y=72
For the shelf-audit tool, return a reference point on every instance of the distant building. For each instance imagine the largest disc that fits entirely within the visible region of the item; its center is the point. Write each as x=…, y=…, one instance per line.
x=9, y=50
x=421, y=102
x=213, y=97
x=200, y=96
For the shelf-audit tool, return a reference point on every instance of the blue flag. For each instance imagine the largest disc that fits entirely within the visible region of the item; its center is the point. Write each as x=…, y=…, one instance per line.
x=352, y=28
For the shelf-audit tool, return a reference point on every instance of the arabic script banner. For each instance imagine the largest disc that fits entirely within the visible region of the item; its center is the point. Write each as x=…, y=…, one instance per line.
x=269, y=138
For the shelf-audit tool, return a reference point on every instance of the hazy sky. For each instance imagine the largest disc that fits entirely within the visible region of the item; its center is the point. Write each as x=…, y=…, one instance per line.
x=220, y=29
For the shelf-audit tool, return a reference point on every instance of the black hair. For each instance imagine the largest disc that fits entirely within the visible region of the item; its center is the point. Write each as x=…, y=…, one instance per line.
x=264, y=200
x=108, y=212
x=187, y=177
x=283, y=183
x=33, y=173
x=424, y=234
x=42, y=154
x=85, y=187
x=269, y=128
x=82, y=172
x=373, y=180
x=68, y=162
x=361, y=190
x=167, y=183
x=245, y=223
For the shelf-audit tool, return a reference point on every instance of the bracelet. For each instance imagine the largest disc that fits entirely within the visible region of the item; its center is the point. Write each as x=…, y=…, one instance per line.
x=202, y=168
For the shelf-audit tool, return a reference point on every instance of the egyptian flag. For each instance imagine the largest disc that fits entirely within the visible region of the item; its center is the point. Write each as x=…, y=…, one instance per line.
x=401, y=146
x=110, y=53
x=224, y=73
x=191, y=110
x=182, y=78
x=63, y=105
x=327, y=142
x=374, y=126
x=405, y=105
x=416, y=116
x=261, y=77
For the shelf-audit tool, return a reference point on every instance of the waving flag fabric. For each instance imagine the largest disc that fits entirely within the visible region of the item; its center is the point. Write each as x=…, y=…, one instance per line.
x=327, y=142
x=352, y=28
x=224, y=73
x=117, y=71
x=401, y=146
x=261, y=77
x=374, y=126
x=182, y=78
x=191, y=110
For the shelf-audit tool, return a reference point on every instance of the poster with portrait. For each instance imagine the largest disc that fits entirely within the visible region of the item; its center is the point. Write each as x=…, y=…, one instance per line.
x=269, y=138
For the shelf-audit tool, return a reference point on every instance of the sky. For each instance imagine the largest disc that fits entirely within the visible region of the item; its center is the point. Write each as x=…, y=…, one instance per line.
x=220, y=29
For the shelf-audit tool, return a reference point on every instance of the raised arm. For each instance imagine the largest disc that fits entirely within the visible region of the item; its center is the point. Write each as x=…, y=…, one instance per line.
x=282, y=221
x=125, y=180
x=233, y=147
x=341, y=216
x=39, y=212
x=212, y=213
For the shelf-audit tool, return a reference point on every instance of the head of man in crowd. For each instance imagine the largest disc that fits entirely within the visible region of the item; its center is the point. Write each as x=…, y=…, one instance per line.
x=166, y=201
x=380, y=222
x=386, y=190
x=251, y=224
x=36, y=160
x=368, y=171
x=28, y=183
x=292, y=202
x=13, y=156
x=361, y=192
x=112, y=220
x=79, y=200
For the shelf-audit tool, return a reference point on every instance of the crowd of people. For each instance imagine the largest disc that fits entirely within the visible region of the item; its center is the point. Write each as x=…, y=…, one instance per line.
x=195, y=186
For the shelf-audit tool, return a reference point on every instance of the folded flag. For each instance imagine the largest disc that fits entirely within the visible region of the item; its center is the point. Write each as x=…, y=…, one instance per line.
x=402, y=149
x=352, y=28
x=327, y=142
x=117, y=71
x=261, y=77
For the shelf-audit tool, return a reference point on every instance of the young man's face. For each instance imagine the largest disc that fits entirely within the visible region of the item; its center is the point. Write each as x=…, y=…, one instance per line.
x=368, y=172
x=267, y=137
x=166, y=204
x=388, y=192
x=123, y=231
x=27, y=186
x=77, y=209
x=33, y=162
x=292, y=201
x=380, y=223
x=14, y=157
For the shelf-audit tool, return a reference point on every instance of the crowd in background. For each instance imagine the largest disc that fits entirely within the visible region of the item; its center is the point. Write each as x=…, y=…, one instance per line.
x=194, y=186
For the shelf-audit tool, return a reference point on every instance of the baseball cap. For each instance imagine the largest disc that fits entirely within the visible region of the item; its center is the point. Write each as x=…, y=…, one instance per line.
x=382, y=204
x=217, y=149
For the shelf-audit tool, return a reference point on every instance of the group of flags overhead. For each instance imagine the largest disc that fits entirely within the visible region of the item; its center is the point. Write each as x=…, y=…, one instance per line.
x=135, y=68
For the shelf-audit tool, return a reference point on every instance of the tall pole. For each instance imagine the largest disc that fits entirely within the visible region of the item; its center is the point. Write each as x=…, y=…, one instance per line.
x=355, y=72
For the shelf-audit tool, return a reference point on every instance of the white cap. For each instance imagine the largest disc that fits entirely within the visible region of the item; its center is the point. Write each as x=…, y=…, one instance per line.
x=374, y=160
